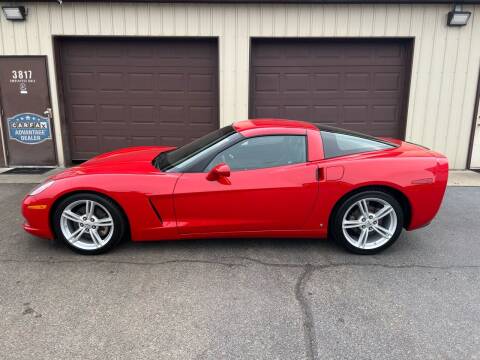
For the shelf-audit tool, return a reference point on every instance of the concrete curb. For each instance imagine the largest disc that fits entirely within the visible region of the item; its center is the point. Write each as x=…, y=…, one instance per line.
x=463, y=178
x=25, y=178
x=455, y=178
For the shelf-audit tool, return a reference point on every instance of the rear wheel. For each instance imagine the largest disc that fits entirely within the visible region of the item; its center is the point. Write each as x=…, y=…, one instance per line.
x=88, y=223
x=368, y=222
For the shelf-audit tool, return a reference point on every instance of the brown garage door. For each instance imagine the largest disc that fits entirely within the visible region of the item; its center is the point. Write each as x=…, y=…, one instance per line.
x=356, y=84
x=129, y=92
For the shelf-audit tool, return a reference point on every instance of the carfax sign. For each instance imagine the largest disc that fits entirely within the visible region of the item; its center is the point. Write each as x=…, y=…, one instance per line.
x=29, y=128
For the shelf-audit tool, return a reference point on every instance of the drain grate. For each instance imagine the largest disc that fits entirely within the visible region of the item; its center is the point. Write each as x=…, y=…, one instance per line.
x=25, y=170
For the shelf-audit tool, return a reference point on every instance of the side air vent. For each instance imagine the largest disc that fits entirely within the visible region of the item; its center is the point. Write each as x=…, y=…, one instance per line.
x=155, y=211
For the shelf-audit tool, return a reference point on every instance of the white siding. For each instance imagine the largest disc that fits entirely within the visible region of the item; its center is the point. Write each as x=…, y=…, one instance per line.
x=445, y=68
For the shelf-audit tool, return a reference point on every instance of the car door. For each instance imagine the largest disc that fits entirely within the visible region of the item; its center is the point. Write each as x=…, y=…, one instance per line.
x=271, y=186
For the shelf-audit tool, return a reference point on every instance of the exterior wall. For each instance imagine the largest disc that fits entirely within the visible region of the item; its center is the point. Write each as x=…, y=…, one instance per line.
x=445, y=62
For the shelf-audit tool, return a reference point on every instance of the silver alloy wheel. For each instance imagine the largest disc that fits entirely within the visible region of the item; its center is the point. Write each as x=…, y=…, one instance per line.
x=369, y=223
x=86, y=224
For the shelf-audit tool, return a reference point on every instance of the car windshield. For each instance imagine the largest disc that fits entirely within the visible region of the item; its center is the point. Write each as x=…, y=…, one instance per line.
x=169, y=159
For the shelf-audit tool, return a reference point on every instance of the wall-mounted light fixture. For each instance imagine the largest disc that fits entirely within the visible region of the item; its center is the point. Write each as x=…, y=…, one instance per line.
x=15, y=13
x=458, y=17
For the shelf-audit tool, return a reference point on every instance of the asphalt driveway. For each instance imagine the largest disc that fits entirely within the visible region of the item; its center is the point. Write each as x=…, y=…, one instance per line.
x=244, y=299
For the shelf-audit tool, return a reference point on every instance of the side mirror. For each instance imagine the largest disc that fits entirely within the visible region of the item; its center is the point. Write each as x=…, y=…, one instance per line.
x=221, y=170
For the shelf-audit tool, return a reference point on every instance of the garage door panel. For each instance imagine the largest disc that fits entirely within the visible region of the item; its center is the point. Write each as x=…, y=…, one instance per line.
x=201, y=83
x=326, y=114
x=144, y=114
x=148, y=81
x=320, y=98
x=143, y=140
x=296, y=112
x=120, y=92
x=171, y=83
x=90, y=145
x=200, y=114
x=171, y=52
x=80, y=80
x=358, y=84
x=386, y=114
x=115, y=113
x=161, y=128
x=328, y=82
x=171, y=114
x=387, y=81
x=141, y=82
x=82, y=113
x=267, y=111
x=111, y=142
x=355, y=114
x=267, y=82
x=158, y=99
x=85, y=143
x=307, y=52
x=356, y=81
x=380, y=120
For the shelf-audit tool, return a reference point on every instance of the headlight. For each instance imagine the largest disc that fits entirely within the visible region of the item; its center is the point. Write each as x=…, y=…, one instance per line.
x=38, y=189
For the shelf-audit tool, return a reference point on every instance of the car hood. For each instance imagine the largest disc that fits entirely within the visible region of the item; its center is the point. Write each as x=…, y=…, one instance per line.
x=128, y=160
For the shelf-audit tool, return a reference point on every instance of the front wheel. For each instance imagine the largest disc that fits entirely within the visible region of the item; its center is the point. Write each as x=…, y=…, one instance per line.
x=88, y=223
x=368, y=222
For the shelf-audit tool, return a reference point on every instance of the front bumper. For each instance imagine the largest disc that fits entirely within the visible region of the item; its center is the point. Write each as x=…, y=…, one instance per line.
x=36, y=214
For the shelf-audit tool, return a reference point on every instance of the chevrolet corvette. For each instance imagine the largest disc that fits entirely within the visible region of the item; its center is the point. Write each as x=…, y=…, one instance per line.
x=255, y=178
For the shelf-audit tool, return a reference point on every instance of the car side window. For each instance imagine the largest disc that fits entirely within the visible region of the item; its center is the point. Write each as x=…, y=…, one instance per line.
x=263, y=152
x=338, y=144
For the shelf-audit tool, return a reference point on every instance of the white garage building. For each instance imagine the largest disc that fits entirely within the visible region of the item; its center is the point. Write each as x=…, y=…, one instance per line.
x=129, y=73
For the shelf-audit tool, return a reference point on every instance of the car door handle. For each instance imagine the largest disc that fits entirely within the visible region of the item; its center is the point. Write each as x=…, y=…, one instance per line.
x=320, y=174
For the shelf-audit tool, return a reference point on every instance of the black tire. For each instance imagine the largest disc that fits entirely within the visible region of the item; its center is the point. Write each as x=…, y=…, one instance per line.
x=337, y=219
x=119, y=222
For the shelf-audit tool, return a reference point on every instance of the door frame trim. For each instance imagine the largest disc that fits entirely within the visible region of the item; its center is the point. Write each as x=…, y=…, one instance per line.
x=52, y=122
x=474, y=123
x=2, y=138
x=57, y=45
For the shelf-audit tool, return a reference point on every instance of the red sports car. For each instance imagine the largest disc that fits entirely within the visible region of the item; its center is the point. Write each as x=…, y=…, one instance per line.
x=256, y=178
